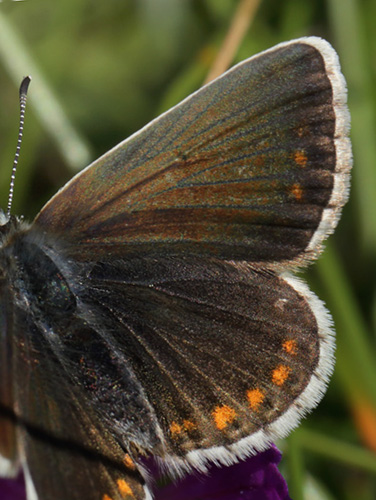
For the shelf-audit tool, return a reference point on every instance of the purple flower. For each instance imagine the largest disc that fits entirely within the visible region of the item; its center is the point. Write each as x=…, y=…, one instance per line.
x=256, y=478
x=12, y=489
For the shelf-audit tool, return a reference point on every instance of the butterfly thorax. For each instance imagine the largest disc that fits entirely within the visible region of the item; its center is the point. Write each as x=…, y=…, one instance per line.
x=35, y=281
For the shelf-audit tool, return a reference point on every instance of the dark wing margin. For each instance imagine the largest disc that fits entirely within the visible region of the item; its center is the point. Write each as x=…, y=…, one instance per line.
x=254, y=166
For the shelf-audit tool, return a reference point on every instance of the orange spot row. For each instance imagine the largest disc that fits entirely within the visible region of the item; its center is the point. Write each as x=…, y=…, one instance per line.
x=225, y=415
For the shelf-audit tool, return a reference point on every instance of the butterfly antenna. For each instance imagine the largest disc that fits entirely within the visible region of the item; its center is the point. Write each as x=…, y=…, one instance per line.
x=23, y=96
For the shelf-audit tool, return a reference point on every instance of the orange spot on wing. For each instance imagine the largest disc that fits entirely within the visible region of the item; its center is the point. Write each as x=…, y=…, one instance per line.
x=189, y=426
x=290, y=346
x=106, y=497
x=300, y=158
x=124, y=488
x=223, y=415
x=297, y=191
x=175, y=429
x=255, y=398
x=280, y=374
x=129, y=462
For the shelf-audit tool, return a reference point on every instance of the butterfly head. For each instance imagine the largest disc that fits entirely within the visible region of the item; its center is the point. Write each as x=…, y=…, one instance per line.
x=8, y=224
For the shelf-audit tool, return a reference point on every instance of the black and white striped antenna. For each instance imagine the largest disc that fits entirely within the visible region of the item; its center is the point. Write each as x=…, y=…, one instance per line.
x=23, y=96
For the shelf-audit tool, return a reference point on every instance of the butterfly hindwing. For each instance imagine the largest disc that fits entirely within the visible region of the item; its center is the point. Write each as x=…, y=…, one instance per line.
x=221, y=350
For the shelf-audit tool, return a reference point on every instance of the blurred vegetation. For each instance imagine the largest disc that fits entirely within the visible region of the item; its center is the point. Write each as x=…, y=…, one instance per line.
x=101, y=70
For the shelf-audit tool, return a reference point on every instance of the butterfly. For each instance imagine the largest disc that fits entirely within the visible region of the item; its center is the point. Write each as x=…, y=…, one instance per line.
x=150, y=310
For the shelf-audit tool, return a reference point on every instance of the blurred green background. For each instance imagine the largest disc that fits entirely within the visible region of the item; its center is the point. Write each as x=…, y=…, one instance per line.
x=103, y=69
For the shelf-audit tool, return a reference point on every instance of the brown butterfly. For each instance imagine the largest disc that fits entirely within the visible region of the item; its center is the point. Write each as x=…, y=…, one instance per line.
x=149, y=309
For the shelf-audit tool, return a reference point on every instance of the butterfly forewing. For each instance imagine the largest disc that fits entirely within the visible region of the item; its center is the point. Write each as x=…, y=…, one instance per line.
x=240, y=170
